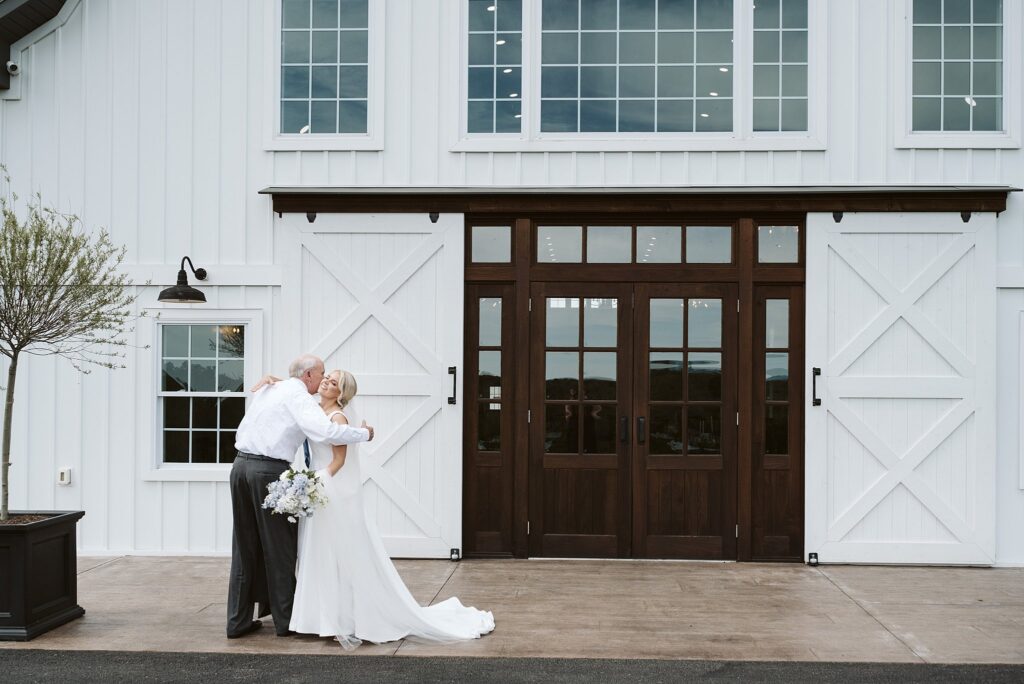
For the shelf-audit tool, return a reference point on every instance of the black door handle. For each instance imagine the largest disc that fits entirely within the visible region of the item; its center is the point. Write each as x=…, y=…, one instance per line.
x=452, y=372
x=641, y=432
x=624, y=429
x=815, y=401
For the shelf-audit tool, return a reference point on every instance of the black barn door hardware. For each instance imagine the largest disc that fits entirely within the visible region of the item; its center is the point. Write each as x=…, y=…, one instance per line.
x=815, y=401
x=452, y=372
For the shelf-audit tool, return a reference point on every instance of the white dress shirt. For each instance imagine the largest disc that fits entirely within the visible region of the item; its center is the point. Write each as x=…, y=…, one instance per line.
x=281, y=415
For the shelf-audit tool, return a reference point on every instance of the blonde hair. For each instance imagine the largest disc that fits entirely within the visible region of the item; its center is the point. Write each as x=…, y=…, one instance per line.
x=346, y=386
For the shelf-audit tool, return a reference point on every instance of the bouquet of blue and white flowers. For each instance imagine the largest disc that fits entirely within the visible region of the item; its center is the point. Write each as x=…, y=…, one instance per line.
x=297, y=494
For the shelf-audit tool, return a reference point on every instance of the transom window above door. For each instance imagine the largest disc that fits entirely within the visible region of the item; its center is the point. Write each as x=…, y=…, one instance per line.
x=684, y=70
x=639, y=244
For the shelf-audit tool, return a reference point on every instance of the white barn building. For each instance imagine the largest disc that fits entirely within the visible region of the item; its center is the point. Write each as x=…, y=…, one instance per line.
x=618, y=278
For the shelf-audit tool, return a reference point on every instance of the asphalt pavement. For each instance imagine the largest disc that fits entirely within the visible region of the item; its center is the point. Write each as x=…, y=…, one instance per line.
x=32, y=665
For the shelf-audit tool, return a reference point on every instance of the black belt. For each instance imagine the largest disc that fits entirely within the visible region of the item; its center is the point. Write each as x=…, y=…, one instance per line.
x=259, y=457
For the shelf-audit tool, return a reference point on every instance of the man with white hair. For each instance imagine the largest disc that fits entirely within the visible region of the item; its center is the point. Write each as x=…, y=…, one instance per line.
x=264, y=546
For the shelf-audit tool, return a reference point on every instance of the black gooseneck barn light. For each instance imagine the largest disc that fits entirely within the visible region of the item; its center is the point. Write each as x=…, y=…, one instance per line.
x=182, y=292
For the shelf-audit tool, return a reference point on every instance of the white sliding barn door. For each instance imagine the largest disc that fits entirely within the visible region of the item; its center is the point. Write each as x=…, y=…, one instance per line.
x=900, y=460
x=381, y=295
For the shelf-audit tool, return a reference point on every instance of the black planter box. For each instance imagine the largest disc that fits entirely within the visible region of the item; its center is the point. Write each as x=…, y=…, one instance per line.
x=38, y=575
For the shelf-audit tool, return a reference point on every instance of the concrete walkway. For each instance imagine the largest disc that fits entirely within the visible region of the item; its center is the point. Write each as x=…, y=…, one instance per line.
x=597, y=609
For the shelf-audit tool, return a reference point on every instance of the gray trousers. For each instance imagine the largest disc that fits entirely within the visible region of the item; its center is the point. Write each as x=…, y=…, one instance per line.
x=263, y=547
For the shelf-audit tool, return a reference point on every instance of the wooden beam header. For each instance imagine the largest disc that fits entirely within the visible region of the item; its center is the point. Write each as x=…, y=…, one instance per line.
x=647, y=201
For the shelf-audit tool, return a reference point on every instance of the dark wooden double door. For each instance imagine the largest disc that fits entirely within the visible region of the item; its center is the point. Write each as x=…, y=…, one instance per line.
x=633, y=420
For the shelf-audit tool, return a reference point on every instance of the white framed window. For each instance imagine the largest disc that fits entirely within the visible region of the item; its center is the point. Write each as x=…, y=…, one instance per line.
x=957, y=79
x=326, y=67
x=650, y=75
x=202, y=362
x=779, y=76
x=495, y=58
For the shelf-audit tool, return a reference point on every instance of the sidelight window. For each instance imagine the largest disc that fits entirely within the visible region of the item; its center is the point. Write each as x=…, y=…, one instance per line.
x=489, y=381
x=776, y=377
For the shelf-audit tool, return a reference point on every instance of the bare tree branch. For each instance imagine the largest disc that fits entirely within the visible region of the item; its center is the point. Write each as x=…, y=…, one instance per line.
x=61, y=294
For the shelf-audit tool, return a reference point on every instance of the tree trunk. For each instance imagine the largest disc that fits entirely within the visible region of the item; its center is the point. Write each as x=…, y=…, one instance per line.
x=12, y=373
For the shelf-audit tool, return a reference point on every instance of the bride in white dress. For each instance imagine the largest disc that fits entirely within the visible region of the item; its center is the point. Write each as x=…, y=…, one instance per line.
x=347, y=587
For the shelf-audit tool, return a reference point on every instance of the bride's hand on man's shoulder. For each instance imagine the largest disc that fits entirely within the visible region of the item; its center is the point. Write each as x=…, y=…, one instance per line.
x=265, y=380
x=368, y=428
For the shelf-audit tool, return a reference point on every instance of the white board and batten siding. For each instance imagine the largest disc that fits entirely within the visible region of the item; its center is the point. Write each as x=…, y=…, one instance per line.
x=901, y=453
x=148, y=118
x=382, y=296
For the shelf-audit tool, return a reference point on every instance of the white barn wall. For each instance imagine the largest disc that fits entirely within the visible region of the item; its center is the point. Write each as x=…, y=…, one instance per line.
x=147, y=117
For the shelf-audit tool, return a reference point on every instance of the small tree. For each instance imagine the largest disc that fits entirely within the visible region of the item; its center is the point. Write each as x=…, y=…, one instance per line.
x=61, y=294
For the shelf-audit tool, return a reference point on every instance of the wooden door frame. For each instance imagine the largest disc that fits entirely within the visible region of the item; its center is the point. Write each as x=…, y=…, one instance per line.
x=745, y=272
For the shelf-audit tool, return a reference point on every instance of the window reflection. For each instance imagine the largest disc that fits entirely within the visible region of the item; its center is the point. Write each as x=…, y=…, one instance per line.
x=627, y=66
x=704, y=325
x=600, y=322
x=563, y=322
x=598, y=428
x=561, y=429
x=609, y=244
x=778, y=244
x=492, y=244
x=666, y=430
x=667, y=322
x=559, y=244
x=490, y=321
x=562, y=375
x=703, y=430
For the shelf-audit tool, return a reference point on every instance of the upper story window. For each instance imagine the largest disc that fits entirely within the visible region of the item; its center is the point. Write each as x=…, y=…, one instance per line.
x=495, y=66
x=780, y=65
x=324, y=66
x=325, y=71
x=607, y=70
x=628, y=66
x=957, y=65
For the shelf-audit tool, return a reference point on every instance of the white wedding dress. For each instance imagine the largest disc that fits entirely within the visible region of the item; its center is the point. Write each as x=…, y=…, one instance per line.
x=347, y=587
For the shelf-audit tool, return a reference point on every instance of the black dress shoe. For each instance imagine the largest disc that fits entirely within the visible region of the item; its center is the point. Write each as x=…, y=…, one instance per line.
x=289, y=633
x=253, y=626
